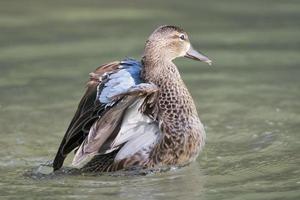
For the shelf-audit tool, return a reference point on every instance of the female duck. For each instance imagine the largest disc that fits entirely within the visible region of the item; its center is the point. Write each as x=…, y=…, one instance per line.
x=137, y=114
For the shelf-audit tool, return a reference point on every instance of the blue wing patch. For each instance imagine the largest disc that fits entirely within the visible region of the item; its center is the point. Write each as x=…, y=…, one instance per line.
x=122, y=80
x=134, y=67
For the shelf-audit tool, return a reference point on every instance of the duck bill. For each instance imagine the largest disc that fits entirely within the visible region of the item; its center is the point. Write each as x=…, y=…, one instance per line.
x=195, y=55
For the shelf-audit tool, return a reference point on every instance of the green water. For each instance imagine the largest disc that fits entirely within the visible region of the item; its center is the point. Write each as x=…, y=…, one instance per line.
x=249, y=100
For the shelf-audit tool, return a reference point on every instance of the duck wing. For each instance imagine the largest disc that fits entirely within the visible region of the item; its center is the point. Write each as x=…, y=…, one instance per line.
x=124, y=129
x=96, y=124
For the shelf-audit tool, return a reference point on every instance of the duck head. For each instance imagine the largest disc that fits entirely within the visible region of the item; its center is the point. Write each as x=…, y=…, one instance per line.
x=169, y=42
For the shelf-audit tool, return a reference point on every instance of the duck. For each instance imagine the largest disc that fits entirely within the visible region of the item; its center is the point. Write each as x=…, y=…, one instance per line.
x=137, y=113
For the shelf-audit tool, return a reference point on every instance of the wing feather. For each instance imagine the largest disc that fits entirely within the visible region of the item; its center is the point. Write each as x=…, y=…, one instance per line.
x=87, y=112
x=115, y=113
x=101, y=130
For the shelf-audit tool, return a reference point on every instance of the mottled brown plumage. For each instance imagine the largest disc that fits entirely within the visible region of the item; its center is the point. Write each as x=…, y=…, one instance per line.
x=168, y=115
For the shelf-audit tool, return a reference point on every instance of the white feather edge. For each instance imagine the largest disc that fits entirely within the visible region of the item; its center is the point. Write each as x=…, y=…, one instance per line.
x=79, y=163
x=133, y=124
x=137, y=130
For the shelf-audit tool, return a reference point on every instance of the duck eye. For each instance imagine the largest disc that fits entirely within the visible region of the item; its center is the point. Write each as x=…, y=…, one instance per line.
x=182, y=37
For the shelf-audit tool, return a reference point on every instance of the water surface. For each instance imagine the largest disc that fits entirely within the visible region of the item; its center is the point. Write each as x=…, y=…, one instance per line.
x=248, y=101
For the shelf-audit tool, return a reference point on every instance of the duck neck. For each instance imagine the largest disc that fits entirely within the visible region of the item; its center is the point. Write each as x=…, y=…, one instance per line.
x=159, y=69
x=158, y=66
x=164, y=73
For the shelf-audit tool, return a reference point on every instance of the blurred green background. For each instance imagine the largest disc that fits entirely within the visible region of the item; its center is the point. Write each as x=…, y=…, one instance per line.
x=248, y=100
